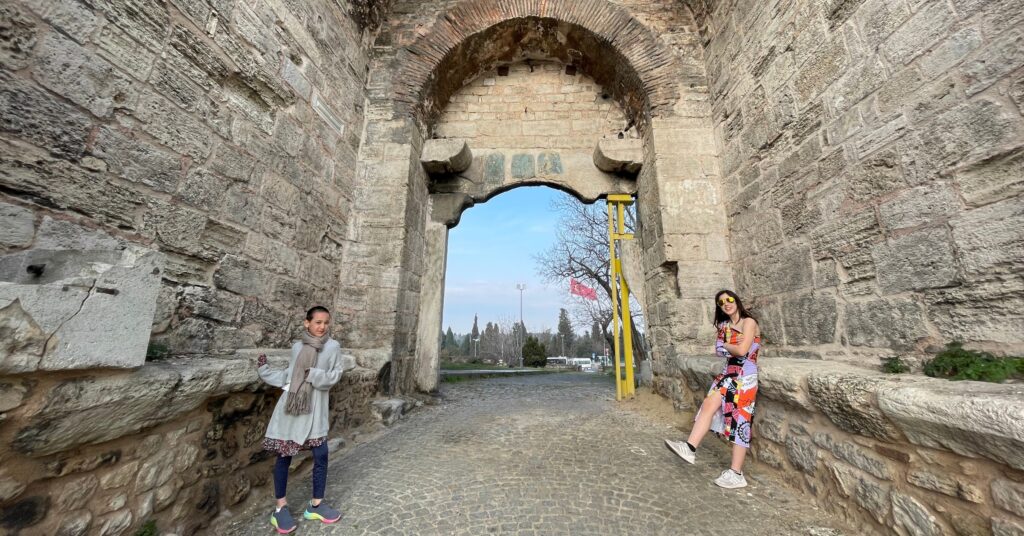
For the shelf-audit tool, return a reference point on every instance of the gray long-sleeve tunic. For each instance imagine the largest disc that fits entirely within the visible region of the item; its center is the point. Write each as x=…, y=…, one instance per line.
x=325, y=373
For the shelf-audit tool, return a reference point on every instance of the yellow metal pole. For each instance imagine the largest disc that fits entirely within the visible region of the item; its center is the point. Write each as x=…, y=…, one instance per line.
x=627, y=339
x=612, y=273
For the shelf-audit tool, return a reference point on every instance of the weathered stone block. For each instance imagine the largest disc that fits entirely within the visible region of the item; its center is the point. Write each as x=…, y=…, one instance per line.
x=83, y=77
x=76, y=20
x=846, y=234
x=1001, y=57
x=802, y=453
x=992, y=179
x=872, y=496
x=956, y=415
x=924, y=28
x=913, y=517
x=848, y=399
x=855, y=456
x=892, y=323
x=1008, y=495
x=946, y=485
x=950, y=52
x=920, y=205
x=17, y=226
x=827, y=63
x=879, y=18
x=138, y=161
x=445, y=157
x=957, y=136
x=780, y=269
x=75, y=493
x=17, y=36
x=176, y=129
x=28, y=112
x=916, y=261
x=1005, y=527
x=990, y=239
x=76, y=524
x=810, y=319
x=105, y=324
x=87, y=410
x=619, y=156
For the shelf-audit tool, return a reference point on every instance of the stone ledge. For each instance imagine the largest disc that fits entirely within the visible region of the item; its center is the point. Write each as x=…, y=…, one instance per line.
x=973, y=419
x=96, y=408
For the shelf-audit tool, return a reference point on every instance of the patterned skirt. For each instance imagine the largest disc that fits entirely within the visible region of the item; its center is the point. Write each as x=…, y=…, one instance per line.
x=737, y=386
x=286, y=448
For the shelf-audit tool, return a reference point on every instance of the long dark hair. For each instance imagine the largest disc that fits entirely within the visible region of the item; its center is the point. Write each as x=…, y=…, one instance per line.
x=720, y=315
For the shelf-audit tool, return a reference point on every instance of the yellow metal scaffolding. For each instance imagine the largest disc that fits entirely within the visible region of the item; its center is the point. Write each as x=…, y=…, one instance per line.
x=624, y=385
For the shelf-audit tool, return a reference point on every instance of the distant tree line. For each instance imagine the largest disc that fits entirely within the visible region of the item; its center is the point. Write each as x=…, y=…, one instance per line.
x=504, y=340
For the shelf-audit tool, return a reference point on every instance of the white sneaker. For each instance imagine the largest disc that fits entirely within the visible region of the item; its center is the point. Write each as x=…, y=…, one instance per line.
x=731, y=480
x=681, y=449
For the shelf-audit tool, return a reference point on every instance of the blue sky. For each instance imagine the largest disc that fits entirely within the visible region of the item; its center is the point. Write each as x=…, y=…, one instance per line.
x=492, y=249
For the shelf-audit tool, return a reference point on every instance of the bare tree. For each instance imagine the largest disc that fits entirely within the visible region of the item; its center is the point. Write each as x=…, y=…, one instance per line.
x=581, y=252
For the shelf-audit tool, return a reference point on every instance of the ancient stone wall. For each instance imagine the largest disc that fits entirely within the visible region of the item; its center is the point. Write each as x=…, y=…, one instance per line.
x=871, y=155
x=872, y=158
x=899, y=454
x=222, y=134
x=179, y=169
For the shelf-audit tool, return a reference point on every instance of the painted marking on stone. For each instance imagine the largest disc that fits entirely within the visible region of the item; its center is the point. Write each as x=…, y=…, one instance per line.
x=494, y=168
x=549, y=164
x=523, y=167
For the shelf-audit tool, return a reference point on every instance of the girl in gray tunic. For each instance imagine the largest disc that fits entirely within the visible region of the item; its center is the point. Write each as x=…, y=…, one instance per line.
x=301, y=418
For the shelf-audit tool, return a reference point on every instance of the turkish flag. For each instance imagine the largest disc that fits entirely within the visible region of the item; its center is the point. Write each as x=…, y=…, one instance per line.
x=581, y=290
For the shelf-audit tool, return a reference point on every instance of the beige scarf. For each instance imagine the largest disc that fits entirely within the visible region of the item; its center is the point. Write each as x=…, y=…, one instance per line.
x=300, y=391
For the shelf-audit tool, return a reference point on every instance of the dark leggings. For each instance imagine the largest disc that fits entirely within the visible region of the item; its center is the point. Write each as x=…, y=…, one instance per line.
x=319, y=473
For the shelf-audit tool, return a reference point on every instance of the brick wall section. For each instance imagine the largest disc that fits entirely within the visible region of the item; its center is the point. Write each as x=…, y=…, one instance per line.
x=872, y=154
x=536, y=106
x=223, y=134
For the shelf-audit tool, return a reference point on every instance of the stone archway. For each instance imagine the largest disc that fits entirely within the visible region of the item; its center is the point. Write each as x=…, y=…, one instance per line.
x=677, y=187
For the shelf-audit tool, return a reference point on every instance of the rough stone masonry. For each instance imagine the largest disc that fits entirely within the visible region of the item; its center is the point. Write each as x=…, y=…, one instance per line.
x=180, y=179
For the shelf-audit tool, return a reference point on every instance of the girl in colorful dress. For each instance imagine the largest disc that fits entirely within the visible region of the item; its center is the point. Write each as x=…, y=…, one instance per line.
x=300, y=420
x=728, y=409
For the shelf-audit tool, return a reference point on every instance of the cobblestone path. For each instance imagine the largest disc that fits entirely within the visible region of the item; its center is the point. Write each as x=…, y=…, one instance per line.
x=549, y=454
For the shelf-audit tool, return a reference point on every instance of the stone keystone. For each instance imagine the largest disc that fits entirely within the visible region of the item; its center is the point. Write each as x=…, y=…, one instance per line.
x=444, y=157
x=623, y=156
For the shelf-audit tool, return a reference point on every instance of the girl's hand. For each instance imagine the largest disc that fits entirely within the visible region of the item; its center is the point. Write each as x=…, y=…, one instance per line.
x=261, y=360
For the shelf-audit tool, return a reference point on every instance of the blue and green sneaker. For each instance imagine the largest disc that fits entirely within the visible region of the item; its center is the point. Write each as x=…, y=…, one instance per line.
x=322, y=512
x=282, y=521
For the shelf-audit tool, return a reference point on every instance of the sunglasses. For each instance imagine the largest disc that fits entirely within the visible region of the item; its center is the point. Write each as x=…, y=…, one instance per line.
x=726, y=299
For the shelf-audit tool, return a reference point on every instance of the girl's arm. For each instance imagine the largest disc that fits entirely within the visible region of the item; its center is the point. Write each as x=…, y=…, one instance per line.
x=324, y=379
x=275, y=377
x=745, y=339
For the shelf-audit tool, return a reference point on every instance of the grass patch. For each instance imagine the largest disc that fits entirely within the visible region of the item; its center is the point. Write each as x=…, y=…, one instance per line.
x=894, y=365
x=149, y=529
x=956, y=363
x=447, y=365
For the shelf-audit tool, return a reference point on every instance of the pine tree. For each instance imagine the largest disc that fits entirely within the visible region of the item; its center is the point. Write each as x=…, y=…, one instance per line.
x=449, y=340
x=567, y=337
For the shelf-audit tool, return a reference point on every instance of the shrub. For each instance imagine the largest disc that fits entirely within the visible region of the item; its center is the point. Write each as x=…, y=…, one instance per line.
x=956, y=363
x=149, y=529
x=894, y=365
x=157, y=351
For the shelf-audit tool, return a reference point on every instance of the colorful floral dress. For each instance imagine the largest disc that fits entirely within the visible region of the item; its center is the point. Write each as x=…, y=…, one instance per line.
x=737, y=385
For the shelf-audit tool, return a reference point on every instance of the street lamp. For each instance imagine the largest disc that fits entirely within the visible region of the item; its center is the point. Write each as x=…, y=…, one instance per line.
x=522, y=326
